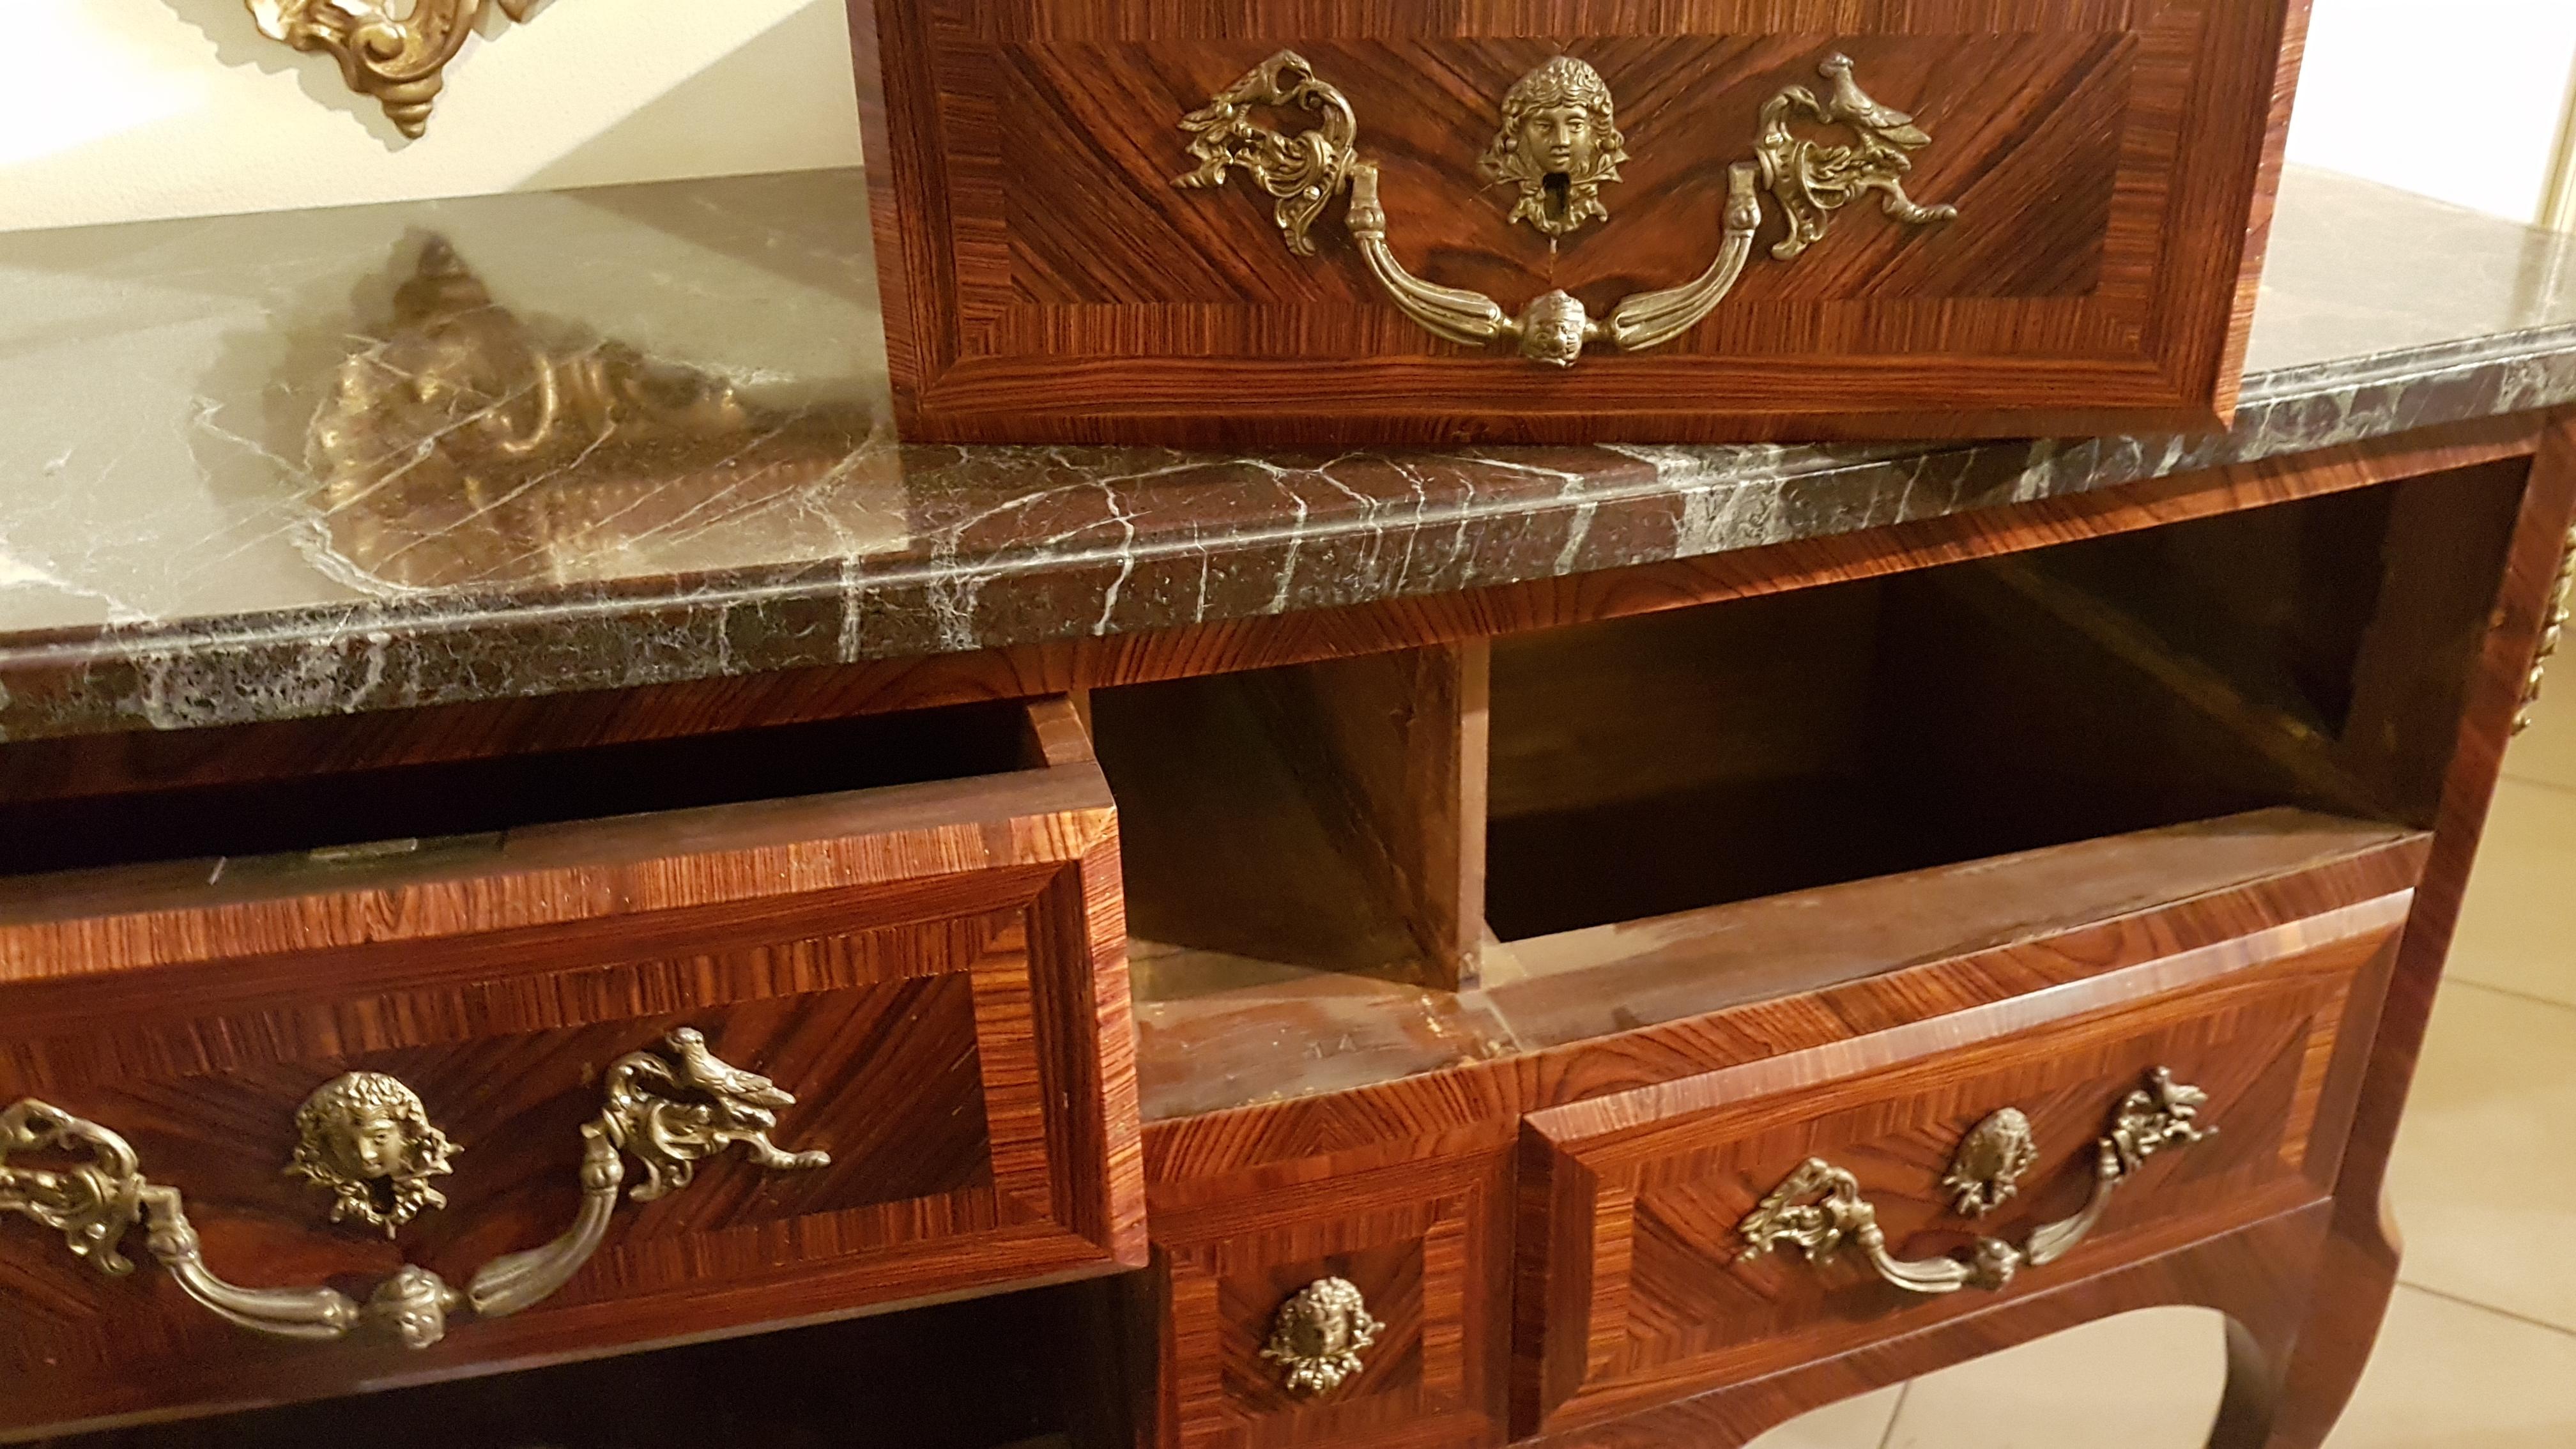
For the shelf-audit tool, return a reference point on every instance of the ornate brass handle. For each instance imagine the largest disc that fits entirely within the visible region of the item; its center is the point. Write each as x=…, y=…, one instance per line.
x=1818, y=1206
x=1303, y=173
x=668, y=1111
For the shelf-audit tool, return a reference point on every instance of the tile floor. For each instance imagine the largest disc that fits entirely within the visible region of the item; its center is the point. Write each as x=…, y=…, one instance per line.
x=2479, y=1351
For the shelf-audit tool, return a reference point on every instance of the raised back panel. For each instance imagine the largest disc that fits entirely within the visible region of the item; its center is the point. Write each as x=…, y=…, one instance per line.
x=1047, y=278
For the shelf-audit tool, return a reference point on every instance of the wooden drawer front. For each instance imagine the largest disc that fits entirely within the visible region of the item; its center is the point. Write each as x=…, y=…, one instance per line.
x=1425, y=1242
x=935, y=972
x=2111, y=163
x=1634, y=1287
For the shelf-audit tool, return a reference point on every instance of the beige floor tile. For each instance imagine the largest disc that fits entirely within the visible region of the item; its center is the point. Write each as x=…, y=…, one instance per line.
x=2148, y=1380
x=2484, y=1178
x=2518, y=929
x=2547, y=752
x=2451, y=1376
x=1852, y=1424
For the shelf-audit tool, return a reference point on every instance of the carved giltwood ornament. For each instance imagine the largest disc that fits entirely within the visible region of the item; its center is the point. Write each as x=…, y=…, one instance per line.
x=1819, y=1207
x=670, y=1110
x=1318, y=1333
x=1304, y=172
x=397, y=54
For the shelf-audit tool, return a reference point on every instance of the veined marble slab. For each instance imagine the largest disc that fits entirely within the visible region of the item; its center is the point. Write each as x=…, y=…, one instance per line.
x=290, y=465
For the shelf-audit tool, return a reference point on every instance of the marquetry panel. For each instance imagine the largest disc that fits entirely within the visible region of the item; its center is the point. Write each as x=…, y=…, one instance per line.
x=1631, y=1258
x=937, y=974
x=1045, y=278
x=1425, y=1241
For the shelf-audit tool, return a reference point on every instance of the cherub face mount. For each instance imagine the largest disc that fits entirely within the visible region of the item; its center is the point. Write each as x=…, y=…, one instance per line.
x=366, y=1138
x=1559, y=142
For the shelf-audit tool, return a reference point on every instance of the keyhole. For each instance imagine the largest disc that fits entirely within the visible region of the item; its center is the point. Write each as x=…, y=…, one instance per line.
x=1559, y=186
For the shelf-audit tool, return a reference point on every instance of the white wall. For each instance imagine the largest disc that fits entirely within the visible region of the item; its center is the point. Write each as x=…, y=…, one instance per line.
x=122, y=110
x=2458, y=99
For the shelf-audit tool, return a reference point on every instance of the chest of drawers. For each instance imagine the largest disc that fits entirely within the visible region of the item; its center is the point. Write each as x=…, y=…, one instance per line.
x=1610, y=947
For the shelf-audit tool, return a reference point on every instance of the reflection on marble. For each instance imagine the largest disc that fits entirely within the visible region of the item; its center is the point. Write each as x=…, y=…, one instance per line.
x=462, y=447
x=259, y=467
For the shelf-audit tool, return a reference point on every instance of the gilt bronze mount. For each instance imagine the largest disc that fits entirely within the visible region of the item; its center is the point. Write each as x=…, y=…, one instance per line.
x=668, y=1109
x=1819, y=1207
x=1988, y=1166
x=2553, y=627
x=1318, y=1334
x=365, y=1138
x=1559, y=144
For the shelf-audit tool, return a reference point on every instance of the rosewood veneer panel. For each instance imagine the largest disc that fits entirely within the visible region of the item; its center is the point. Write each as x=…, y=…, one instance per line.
x=2113, y=162
x=936, y=971
x=1632, y=1293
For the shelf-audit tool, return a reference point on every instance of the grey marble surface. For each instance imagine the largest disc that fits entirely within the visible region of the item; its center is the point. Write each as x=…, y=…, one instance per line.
x=279, y=466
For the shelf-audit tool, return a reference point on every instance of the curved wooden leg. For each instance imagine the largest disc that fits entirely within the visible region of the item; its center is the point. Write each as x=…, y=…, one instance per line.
x=2354, y=1282
x=2255, y=1367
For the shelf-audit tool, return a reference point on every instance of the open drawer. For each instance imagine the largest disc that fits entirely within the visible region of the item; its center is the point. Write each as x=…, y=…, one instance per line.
x=1724, y=1225
x=453, y=1104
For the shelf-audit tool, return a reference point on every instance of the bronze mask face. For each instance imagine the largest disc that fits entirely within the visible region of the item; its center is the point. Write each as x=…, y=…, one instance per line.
x=366, y=1138
x=1559, y=143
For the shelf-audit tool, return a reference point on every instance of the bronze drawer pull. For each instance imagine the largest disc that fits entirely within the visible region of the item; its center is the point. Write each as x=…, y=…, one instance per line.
x=1317, y=1335
x=667, y=1110
x=1305, y=172
x=1819, y=1205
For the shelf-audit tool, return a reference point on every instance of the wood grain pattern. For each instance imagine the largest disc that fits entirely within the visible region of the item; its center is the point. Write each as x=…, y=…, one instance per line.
x=2361, y=1254
x=1043, y=277
x=1630, y=1291
x=1393, y=746
x=1424, y=1240
x=1256, y=1164
x=936, y=970
x=1405, y=1178
x=2250, y=1275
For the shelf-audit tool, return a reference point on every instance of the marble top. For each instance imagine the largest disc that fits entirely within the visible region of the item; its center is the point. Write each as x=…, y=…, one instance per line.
x=288, y=465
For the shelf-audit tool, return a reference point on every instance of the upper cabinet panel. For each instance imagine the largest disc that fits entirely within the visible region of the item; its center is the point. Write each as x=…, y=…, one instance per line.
x=1409, y=221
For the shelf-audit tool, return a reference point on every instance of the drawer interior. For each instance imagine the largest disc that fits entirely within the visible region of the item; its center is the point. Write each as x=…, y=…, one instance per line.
x=474, y=796
x=1277, y=822
x=1677, y=761
x=1345, y=872
x=889, y=1382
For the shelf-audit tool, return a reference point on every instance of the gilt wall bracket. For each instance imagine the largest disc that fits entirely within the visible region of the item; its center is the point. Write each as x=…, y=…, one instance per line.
x=400, y=59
